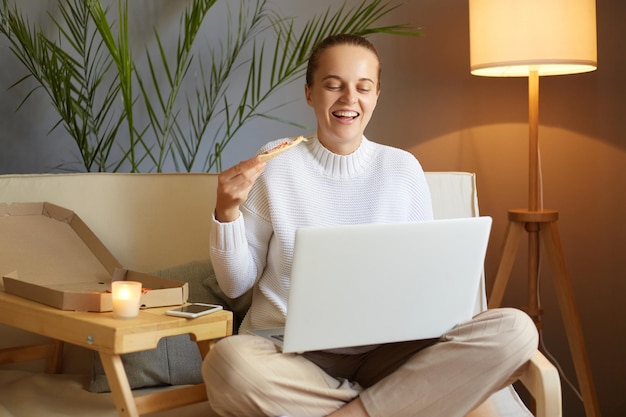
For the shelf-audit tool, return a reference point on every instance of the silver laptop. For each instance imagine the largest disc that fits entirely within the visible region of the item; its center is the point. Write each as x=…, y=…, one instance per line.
x=379, y=283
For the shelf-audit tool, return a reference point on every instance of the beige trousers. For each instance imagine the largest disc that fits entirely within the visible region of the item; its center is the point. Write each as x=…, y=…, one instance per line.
x=246, y=376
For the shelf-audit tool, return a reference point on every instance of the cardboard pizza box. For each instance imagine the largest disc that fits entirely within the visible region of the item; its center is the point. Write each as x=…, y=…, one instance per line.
x=49, y=255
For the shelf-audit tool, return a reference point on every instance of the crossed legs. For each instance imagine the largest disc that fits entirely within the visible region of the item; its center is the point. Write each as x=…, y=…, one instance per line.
x=246, y=375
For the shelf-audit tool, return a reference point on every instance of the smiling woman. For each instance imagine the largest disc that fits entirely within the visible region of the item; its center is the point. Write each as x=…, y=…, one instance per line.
x=339, y=177
x=343, y=90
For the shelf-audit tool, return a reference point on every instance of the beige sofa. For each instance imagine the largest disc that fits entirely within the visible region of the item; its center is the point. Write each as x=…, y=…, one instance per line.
x=159, y=223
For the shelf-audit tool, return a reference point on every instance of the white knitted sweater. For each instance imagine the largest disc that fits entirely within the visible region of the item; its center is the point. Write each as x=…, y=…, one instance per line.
x=310, y=186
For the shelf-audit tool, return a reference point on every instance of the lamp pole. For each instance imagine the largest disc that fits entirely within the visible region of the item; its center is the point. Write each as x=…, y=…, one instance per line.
x=541, y=226
x=533, y=140
x=533, y=308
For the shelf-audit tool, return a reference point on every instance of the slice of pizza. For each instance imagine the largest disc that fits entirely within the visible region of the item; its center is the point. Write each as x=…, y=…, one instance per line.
x=281, y=148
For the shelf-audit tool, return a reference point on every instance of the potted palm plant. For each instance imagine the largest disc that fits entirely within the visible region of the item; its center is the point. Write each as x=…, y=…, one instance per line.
x=89, y=72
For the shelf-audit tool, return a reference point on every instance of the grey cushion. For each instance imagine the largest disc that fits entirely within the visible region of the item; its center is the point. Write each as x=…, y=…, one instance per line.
x=175, y=361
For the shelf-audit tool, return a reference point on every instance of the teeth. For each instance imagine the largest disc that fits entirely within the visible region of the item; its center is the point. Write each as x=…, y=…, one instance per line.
x=346, y=114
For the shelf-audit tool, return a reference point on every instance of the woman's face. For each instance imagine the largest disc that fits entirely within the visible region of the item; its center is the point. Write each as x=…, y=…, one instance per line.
x=343, y=95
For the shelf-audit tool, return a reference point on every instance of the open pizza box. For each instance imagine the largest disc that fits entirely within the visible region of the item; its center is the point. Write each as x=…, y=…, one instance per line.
x=49, y=255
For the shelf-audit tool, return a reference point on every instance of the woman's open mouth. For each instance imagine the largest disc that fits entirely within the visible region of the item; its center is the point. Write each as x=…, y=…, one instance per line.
x=345, y=114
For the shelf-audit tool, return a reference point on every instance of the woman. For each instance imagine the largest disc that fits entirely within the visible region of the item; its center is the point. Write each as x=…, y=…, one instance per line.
x=339, y=177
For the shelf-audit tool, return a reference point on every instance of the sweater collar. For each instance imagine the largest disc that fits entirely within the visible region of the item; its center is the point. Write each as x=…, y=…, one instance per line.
x=342, y=166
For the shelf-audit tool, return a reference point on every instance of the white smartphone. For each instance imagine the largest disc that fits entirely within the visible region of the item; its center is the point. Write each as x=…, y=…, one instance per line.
x=193, y=310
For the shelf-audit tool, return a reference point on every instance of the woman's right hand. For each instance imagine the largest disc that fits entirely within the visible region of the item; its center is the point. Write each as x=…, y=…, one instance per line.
x=233, y=187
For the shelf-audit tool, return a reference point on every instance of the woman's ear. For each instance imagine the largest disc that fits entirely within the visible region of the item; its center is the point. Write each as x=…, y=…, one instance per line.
x=307, y=94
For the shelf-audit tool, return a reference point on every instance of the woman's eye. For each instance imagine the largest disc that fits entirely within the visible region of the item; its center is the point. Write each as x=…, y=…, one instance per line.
x=364, y=88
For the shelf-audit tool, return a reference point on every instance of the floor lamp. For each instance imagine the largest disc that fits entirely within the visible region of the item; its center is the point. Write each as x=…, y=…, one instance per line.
x=533, y=38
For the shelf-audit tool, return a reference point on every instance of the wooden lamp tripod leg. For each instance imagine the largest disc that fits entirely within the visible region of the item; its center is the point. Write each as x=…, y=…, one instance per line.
x=509, y=251
x=571, y=319
x=544, y=225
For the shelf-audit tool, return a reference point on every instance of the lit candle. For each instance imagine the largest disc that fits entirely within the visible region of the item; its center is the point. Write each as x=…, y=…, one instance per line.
x=126, y=298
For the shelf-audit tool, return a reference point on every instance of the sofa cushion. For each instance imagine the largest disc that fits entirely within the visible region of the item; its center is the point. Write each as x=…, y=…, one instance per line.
x=36, y=394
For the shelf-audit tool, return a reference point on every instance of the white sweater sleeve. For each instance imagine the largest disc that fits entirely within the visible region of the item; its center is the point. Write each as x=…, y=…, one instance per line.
x=237, y=263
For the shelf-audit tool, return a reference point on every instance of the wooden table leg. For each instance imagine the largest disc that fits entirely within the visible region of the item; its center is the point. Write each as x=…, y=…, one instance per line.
x=54, y=361
x=120, y=388
x=204, y=346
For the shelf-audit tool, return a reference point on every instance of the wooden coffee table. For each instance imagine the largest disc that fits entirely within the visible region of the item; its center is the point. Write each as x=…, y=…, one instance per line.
x=112, y=337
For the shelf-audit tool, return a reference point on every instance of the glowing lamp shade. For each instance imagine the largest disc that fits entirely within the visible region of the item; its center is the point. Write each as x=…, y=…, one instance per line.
x=510, y=38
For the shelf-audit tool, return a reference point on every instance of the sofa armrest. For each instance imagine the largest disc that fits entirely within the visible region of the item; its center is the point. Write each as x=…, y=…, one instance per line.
x=541, y=379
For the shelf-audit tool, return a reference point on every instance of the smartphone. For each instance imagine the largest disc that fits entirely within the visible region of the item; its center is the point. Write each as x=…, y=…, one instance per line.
x=193, y=310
